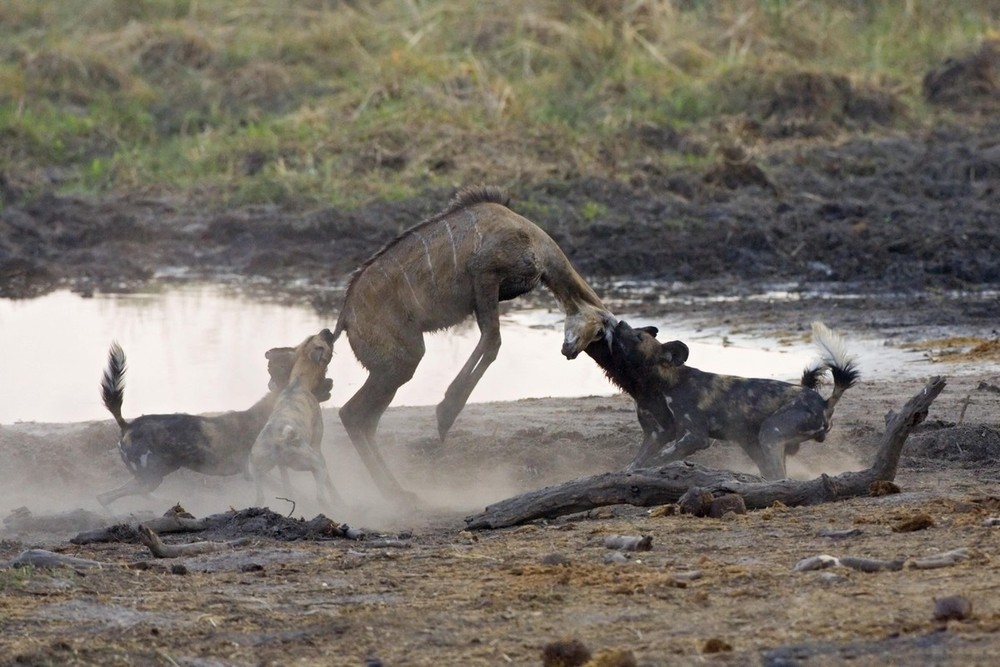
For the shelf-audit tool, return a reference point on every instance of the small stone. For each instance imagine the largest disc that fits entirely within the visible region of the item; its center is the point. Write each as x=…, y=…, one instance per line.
x=883, y=487
x=952, y=608
x=811, y=563
x=716, y=645
x=914, y=523
x=695, y=501
x=839, y=534
x=178, y=568
x=554, y=559
x=728, y=503
x=565, y=653
x=663, y=510
x=629, y=542
x=615, y=657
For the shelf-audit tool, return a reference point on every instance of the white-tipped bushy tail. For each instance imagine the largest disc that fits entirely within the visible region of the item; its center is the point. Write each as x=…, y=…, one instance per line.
x=832, y=348
x=833, y=355
x=113, y=383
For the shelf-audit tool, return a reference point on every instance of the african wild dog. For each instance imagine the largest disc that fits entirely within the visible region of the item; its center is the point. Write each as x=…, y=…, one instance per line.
x=153, y=446
x=293, y=434
x=680, y=408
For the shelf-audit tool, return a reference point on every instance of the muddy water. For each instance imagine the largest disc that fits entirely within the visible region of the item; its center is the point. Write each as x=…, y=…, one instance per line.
x=200, y=349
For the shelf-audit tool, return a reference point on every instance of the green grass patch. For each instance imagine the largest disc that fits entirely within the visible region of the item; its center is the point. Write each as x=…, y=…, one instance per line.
x=315, y=101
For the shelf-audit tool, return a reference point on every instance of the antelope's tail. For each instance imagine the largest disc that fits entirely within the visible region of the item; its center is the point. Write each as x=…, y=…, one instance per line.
x=833, y=355
x=113, y=384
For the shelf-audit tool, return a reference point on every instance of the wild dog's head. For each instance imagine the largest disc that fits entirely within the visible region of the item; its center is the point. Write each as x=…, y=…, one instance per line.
x=316, y=350
x=638, y=354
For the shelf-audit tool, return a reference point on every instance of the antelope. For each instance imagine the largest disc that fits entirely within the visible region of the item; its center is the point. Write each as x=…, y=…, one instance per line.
x=153, y=446
x=680, y=408
x=463, y=261
x=293, y=434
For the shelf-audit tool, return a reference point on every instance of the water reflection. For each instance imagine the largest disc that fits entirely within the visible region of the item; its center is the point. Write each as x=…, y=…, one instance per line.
x=199, y=349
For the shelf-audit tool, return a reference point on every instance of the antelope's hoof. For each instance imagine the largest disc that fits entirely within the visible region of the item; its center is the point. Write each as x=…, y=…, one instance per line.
x=445, y=418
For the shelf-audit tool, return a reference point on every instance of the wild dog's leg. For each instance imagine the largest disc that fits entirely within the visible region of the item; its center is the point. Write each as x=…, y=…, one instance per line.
x=258, y=469
x=658, y=427
x=487, y=308
x=361, y=414
x=784, y=431
x=324, y=483
x=133, y=487
x=654, y=453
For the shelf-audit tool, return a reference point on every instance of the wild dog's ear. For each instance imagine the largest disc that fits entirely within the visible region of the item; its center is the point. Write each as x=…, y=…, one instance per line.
x=674, y=353
x=279, y=366
x=652, y=331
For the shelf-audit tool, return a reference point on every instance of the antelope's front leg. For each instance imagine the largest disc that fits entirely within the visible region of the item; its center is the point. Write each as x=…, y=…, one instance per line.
x=488, y=319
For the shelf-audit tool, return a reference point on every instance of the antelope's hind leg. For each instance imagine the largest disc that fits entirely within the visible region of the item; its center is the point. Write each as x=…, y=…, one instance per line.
x=362, y=413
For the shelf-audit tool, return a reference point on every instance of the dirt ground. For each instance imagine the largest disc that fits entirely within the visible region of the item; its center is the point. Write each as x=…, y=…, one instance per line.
x=420, y=590
x=888, y=234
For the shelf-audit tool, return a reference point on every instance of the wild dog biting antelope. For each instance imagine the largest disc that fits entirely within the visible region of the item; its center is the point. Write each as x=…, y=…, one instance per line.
x=463, y=261
x=293, y=434
x=153, y=446
x=680, y=408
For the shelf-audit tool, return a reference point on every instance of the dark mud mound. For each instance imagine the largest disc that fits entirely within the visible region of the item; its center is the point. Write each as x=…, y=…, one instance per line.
x=253, y=522
x=973, y=443
x=262, y=522
x=807, y=103
x=968, y=83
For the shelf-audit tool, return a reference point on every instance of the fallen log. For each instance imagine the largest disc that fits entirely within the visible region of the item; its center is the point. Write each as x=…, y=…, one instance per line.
x=666, y=484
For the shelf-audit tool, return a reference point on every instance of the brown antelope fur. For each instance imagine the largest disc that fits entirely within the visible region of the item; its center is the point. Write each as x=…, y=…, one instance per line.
x=680, y=408
x=293, y=434
x=463, y=261
x=153, y=446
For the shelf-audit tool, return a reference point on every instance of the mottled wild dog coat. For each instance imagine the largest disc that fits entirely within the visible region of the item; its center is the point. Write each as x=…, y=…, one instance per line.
x=680, y=408
x=463, y=261
x=293, y=435
x=153, y=446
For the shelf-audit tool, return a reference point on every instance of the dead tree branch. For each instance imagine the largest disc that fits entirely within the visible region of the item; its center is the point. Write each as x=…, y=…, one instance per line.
x=161, y=550
x=666, y=484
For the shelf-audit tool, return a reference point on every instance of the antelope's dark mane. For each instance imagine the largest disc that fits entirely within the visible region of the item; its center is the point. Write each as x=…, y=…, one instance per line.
x=467, y=196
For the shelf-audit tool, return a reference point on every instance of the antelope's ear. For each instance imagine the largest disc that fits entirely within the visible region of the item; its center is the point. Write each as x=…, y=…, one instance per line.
x=652, y=331
x=674, y=353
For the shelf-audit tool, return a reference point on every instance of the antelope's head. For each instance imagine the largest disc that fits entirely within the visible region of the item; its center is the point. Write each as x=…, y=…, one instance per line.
x=587, y=325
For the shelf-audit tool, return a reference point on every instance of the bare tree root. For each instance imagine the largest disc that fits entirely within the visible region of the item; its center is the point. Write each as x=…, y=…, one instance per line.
x=666, y=484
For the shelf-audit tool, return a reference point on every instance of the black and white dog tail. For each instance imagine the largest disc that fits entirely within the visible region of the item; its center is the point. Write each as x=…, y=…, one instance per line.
x=113, y=384
x=833, y=355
